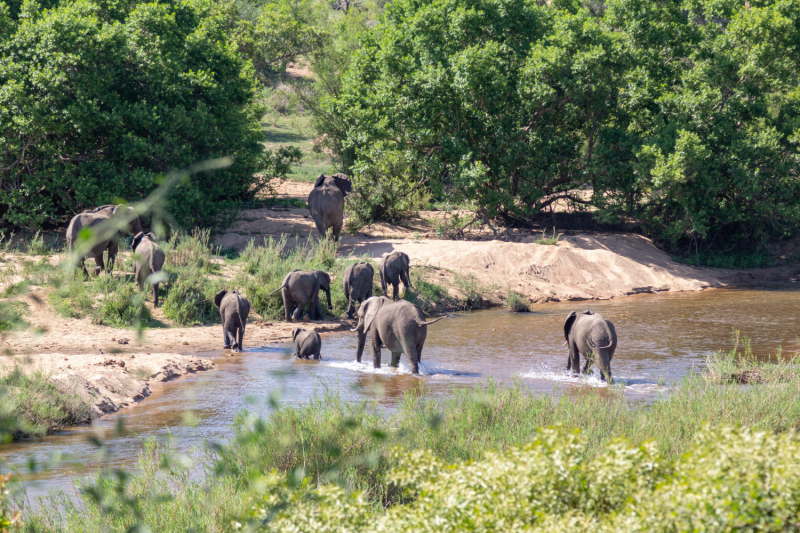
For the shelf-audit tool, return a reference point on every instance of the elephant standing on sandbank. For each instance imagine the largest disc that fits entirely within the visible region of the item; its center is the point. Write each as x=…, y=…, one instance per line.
x=300, y=288
x=400, y=326
x=233, y=309
x=393, y=269
x=148, y=259
x=95, y=219
x=326, y=203
x=357, y=285
x=593, y=336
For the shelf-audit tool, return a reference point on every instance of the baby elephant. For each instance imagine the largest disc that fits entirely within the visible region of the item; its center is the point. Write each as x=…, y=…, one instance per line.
x=357, y=285
x=393, y=269
x=593, y=336
x=306, y=344
x=149, y=261
x=234, y=308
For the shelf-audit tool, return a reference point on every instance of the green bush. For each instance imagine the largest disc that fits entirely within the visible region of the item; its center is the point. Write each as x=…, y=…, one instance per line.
x=190, y=299
x=687, y=123
x=100, y=98
x=11, y=313
x=121, y=304
x=71, y=297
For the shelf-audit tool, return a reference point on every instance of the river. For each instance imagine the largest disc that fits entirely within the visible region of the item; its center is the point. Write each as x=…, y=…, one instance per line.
x=661, y=338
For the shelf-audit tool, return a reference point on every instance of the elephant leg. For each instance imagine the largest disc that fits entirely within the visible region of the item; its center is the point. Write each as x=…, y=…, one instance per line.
x=226, y=338
x=155, y=294
x=98, y=259
x=413, y=357
x=574, y=362
x=337, y=229
x=287, y=304
x=376, y=349
x=587, y=366
x=298, y=312
x=321, y=229
x=351, y=309
x=395, y=290
x=396, y=359
x=405, y=279
x=241, y=338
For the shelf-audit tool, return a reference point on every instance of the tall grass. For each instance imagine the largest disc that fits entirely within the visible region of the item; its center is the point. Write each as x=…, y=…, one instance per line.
x=39, y=405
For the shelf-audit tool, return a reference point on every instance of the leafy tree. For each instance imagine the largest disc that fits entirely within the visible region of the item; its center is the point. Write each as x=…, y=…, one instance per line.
x=98, y=99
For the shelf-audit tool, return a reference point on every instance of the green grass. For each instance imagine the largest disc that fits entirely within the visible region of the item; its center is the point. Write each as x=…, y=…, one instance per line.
x=39, y=406
x=517, y=302
x=295, y=130
x=11, y=313
x=730, y=260
x=551, y=241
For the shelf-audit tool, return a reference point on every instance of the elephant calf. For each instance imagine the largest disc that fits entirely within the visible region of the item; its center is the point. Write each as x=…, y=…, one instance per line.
x=300, y=288
x=357, y=284
x=593, y=336
x=148, y=259
x=307, y=344
x=326, y=203
x=393, y=269
x=233, y=308
x=400, y=326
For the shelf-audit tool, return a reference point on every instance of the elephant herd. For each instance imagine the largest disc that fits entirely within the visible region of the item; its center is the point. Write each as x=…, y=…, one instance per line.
x=397, y=325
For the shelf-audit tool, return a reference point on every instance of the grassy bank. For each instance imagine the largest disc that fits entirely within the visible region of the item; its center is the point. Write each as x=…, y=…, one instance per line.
x=331, y=443
x=33, y=406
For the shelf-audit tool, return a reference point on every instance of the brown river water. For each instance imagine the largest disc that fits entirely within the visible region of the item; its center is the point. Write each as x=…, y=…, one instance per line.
x=660, y=339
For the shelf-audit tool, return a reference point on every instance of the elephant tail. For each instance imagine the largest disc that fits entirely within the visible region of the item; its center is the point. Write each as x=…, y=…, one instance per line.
x=601, y=347
x=420, y=324
x=276, y=290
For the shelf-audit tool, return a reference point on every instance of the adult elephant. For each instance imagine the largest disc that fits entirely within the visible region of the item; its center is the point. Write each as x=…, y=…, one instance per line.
x=357, y=285
x=593, y=336
x=300, y=288
x=393, y=269
x=326, y=203
x=400, y=326
x=96, y=219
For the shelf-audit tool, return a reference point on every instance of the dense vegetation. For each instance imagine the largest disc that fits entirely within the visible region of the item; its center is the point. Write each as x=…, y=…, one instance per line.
x=681, y=115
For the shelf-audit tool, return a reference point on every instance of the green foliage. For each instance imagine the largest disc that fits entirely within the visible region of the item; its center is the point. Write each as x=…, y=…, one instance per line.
x=11, y=313
x=121, y=305
x=71, y=298
x=552, y=241
x=517, y=302
x=139, y=89
x=686, y=121
x=190, y=299
x=731, y=260
x=38, y=405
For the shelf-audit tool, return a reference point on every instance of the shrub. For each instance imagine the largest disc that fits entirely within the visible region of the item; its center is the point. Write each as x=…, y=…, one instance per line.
x=190, y=299
x=121, y=304
x=11, y=313
x=517, y=303
x=140, y=89
x=71, y=297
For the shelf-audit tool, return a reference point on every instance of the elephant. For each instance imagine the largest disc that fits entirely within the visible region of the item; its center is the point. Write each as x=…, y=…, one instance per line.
x=357, y=284
x=593, y=336
x=306, y=344
x=233, y=308
x=95, y=219
x=300, y=288
x=393, y=269
x=400, y=326
x=326, y=203
x=148, y=259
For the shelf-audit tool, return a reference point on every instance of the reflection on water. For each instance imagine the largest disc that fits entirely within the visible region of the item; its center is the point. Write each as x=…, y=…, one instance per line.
x=660, y=339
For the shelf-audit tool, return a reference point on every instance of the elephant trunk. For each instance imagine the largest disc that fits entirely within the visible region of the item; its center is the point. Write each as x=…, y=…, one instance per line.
x=362, y=337
x=328, y=294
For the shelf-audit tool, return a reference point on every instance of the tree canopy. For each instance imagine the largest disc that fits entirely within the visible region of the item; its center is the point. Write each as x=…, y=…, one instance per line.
x=682, y=116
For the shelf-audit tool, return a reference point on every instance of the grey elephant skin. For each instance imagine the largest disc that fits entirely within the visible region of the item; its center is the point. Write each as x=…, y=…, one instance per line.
x=357, y=285
x=594, y=337
x=393, y=269
x=400, y=326
x=326, y=203
x=300, y=288
x=307, y=344
x=94, y=219
x=233, y=308
x=148, y=259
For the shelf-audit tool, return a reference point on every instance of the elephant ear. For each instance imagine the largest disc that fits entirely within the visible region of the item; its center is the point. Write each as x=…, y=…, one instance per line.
x=220, y=295
x=344, y=183
x=568, y=324
x=151, y=237
x=137, y=240
x=371, y=270
x=320, y=180
x=324, y=280
x=295, y=332
x=372, y=305
x=406, y=260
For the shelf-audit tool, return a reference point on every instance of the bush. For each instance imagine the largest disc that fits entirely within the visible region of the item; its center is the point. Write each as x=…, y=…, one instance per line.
x=121, y=305
x=190, y=299
x=138, y=89
x=11, y=314
x=517, y=303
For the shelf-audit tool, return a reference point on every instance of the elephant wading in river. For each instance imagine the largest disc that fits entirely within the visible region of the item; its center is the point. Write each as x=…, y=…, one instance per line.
x=593, y=336
x=233, y=308
x=400, y=326
x=393, y=269
x=307, y=344
x=326, y=203
x=357, y=285
x=301, y=288
x=148, y=259
x=96, y=219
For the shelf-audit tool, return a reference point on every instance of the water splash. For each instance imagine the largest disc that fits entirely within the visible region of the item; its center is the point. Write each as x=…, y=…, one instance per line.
x=425, y=369
x=637, y=384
